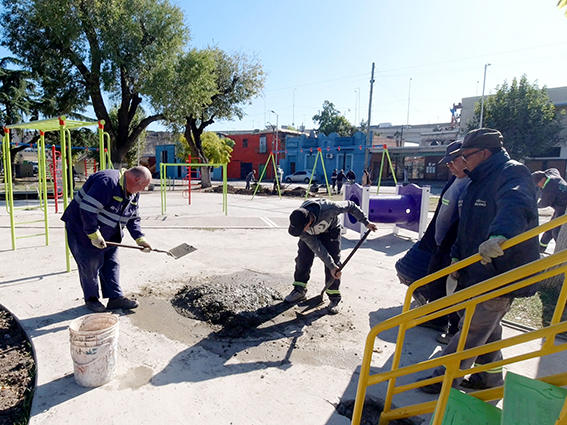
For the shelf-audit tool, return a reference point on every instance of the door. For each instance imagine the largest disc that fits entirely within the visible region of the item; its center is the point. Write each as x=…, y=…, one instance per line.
x=245, y=168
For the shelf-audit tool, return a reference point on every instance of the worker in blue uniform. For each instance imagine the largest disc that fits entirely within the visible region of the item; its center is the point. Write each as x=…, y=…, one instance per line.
x=107, y=202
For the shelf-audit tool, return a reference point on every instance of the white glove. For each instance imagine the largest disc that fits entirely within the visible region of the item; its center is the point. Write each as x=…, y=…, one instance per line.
x=147, y=246
x=490, y=249
x=451, y=285
x=99, y=242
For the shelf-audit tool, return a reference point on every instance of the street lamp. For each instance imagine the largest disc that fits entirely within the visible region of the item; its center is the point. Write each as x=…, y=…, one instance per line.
x=482, y=98
x=277, y=126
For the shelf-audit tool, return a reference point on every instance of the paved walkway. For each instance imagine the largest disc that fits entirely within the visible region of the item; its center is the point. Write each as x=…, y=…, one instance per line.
x=172, y=369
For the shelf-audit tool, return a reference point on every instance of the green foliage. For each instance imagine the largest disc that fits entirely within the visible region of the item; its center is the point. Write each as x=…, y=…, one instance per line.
x=217, y=149
x=84, y=52
x=135, y=151
x=213, y=86
x=525, y=116
x=561, y=4
x=330, y=121
x=17, y=93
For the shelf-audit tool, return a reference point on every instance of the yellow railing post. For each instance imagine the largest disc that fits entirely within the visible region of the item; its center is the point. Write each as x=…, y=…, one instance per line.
x=467, y=300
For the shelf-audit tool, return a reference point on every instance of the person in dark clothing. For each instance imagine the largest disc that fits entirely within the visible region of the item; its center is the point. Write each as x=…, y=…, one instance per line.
x=351, y=176
x=251, y=177
x=340, y=179
x=334, y=179
x=498, y=204
x=435, y=246
x=318, y=227
x=553, y=194
x=366, y=180
x=107, y=202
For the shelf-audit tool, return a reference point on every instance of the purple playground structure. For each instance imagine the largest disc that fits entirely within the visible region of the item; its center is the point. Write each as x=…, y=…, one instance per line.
x=407, y=209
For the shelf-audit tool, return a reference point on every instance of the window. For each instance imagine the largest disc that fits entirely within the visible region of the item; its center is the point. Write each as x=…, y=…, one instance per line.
x=263, y=148
x=244, y=143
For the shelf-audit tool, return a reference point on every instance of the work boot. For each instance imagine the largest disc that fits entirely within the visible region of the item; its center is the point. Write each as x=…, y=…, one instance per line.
x=93, y=304
x=298, y=294
x=444, y=338
x=121, y=302
x=333, y=307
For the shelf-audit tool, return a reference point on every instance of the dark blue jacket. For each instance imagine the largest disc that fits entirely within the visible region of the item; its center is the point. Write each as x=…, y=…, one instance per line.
x=499, y=201
x=554, y=192
x=102, y=206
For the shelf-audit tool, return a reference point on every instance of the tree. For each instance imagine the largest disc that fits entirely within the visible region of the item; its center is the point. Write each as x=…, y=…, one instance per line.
x=525, y=116
x=216, y=148
x=17, y=92
x=213, y=86
x=80, y=51
x=330, y=121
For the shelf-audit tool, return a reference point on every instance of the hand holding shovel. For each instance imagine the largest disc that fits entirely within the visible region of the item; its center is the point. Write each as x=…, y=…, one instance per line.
x=175, y=252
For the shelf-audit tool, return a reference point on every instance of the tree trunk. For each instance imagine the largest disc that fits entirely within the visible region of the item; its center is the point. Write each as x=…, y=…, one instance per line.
x=193, y=136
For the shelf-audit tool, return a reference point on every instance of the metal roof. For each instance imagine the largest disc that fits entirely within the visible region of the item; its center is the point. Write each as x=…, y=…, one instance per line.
x=52, y=124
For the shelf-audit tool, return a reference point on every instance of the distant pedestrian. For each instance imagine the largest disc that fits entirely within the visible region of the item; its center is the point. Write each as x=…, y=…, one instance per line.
x=251, y=177
x=553, y=194
x=340, y=179
x=351, y=177
x=366, y=180
x=334, y=180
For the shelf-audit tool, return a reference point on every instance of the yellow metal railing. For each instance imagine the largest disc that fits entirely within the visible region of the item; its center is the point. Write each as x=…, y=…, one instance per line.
x=466, y=300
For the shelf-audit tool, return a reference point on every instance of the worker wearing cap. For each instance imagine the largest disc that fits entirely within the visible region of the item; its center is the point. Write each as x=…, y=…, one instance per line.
x=317, y=225
x=437, y=242
x=498, y=204
x=553, y=194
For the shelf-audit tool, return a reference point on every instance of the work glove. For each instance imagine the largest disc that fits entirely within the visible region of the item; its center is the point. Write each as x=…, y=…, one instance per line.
x=99, y=242
x=490, y=249
x=454, y=275
x=451, y=285
x=147, y=246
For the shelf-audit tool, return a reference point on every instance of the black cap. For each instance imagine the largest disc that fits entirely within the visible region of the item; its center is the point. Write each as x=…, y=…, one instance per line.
x=454, y=146
x=482, y=138
x=298, y=219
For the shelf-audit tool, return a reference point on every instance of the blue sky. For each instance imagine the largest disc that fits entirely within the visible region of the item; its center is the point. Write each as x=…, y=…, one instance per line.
x=315, y=50
x=323, y=50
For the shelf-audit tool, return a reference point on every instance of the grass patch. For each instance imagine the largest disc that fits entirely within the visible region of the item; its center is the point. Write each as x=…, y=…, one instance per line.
x=536, y=311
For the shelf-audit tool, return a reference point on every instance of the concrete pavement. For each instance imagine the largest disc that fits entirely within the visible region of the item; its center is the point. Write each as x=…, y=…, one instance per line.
x=175, y=370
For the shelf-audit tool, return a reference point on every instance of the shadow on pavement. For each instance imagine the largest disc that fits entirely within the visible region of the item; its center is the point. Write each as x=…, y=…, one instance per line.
x=188, y=366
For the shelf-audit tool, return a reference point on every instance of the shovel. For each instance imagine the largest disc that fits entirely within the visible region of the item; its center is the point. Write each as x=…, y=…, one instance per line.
x=175, y=252
x=317, y=300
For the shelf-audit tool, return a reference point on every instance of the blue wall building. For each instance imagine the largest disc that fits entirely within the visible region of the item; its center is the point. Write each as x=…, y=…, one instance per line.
x=344, y=153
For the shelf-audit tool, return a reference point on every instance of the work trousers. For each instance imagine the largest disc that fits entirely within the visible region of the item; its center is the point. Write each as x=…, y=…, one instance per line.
x=95, y=264
x=485, y=328
x=305, y=256
x=438, y=289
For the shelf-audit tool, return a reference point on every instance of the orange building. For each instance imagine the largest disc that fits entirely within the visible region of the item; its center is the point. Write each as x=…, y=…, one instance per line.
x=252, y=150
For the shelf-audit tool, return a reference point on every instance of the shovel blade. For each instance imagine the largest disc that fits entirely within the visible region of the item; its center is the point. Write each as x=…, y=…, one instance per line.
x=181, y=250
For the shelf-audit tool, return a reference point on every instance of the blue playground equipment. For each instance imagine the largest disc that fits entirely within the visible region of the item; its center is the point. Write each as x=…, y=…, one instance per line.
x=407, y=209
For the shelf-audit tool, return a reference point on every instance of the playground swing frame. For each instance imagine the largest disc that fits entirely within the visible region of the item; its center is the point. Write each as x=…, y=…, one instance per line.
x=62, y=125
x=272, y=157
x=163, y=182
x=385, y=154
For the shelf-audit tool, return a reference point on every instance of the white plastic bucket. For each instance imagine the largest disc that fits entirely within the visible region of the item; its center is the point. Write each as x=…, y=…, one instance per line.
x=94, y=347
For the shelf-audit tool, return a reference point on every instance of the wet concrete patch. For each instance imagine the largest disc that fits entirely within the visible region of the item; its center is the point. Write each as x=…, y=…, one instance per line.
x=234, y=303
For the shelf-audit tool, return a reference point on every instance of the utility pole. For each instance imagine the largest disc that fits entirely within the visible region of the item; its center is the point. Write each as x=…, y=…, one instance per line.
x=368, y=141
x=482, y=99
